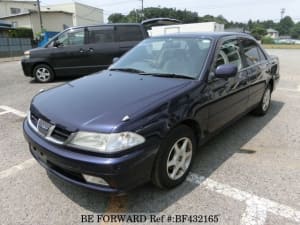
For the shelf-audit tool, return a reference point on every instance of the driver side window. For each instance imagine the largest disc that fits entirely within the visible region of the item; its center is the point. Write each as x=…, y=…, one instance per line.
x=229, y=53
x=72, y=37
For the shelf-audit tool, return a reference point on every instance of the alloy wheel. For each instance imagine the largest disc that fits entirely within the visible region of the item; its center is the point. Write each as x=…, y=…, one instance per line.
x=179, y=158
x=43, y=74
x=266, y=99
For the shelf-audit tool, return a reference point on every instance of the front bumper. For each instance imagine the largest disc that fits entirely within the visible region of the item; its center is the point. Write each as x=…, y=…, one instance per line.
x=122, y=172
x=27, y=66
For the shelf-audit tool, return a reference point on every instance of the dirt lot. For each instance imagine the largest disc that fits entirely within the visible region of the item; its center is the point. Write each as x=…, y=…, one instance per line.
x=248, y=175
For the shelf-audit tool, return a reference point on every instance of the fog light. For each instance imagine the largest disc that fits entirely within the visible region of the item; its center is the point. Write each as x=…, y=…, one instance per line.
x=94, y=180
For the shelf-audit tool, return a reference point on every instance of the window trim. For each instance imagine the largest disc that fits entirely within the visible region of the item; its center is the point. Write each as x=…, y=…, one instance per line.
x=258, y=48
x=103, y=27
x=210, y=76
x=50, y=44
x=117, y=36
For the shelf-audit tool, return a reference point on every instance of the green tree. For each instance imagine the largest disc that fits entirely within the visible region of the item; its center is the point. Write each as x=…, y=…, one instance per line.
x=285, y=26
x=258, y=31
x=268, y=24
x=295, y=31
x=258, y=28
x=267, y=40
x=117, y=18
x=154, y=12
x=21, y=32
x=250, y=24
x=185, y=16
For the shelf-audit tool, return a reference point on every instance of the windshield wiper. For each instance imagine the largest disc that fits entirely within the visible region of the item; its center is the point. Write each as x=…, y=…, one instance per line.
x=130, y=70
x=171, y=75
x=140, y=72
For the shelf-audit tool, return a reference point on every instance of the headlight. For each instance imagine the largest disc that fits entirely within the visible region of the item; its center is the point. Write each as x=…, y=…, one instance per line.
x=27, y=54
x=107, y=143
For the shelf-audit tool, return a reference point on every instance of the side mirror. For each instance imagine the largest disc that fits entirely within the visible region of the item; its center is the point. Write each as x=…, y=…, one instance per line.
x=57, y=43
x=115, y=59
x=225, y=71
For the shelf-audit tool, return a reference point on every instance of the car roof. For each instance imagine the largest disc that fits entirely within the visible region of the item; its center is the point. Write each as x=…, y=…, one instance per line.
x=211, y=35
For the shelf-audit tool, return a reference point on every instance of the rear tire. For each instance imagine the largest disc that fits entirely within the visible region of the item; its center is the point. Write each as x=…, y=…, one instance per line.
x=43, y=73
x=174, y=158
x=265, y=103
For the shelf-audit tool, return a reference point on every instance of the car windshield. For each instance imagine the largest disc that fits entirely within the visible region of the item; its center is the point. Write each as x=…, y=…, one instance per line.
x=180, y=56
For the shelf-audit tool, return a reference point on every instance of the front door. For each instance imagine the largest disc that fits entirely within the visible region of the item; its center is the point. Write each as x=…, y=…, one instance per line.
x=228, y=97
x=69, y=56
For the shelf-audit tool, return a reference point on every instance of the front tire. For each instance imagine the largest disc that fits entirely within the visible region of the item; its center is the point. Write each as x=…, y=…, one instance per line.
x=43, y=73
x=174, y=158
x=265, y=103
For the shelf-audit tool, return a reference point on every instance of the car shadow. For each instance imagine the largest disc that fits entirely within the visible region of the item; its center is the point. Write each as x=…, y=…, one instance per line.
x=58, y=79
x=208, y=159
x=61, y=79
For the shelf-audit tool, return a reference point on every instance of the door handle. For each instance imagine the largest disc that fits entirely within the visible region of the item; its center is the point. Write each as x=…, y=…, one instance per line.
x=81, y=50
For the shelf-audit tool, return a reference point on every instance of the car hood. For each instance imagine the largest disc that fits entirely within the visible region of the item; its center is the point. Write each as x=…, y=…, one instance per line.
x=99, y=102
x=35, y=52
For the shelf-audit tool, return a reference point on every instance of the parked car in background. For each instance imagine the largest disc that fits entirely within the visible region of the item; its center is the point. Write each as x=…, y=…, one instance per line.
x=145, y=117
x=85, y=50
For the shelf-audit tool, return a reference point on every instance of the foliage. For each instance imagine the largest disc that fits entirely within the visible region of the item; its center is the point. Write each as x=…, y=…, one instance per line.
x=117, y=18
x=267, y=40
x=295, y=31
x=153, y=12
x=21, y=32
x=286, y=26
x=258, y=31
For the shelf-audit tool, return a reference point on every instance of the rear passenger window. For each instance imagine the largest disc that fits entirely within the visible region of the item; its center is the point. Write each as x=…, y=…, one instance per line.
x=261, y=54
x=252, y=52
x=101, y=34
x=129, y=33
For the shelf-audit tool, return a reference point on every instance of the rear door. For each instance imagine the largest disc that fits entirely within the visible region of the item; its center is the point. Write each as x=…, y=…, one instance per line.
x=101, y=47
x=69, y=58
x=128, y=36
x=229, y=97
x=256, y=66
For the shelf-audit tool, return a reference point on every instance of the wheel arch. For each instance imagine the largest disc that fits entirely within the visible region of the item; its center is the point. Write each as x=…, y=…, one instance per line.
x=193, y=125
x=271, y=83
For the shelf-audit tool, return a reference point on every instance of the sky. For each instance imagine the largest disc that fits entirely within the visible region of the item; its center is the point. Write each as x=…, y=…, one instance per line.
x=233, y=10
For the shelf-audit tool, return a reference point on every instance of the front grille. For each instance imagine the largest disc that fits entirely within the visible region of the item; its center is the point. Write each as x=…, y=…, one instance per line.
x=34, y=119
x=57, y=134
x=60, y=134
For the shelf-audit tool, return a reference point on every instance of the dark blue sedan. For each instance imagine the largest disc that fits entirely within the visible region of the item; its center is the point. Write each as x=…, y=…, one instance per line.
x=144, y=118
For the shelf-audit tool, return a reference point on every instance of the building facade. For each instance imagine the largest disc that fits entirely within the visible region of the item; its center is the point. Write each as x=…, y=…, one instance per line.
x=9, y=7
x=52, y=21
x=54, y=17
x=272, y=33
x=82, y=14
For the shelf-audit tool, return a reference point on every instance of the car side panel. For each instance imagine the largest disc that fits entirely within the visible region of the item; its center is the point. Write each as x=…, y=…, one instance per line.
x=257, y=80
x=100, y=55
x=228, y=100
x=69, y=60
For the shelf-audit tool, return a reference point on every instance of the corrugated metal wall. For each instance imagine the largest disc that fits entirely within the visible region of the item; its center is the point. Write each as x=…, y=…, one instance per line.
x=11, y=47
